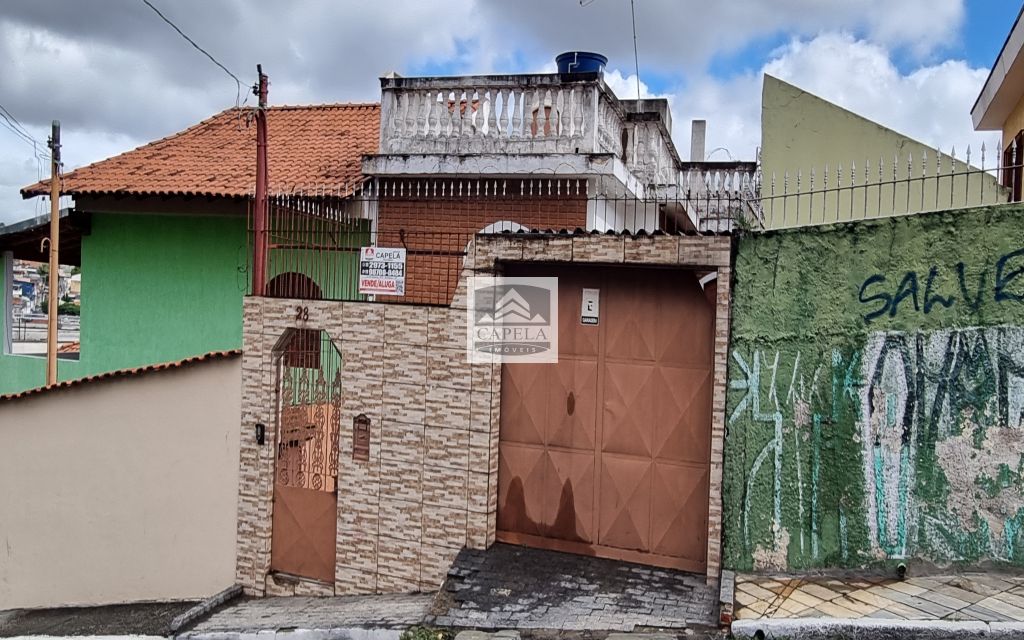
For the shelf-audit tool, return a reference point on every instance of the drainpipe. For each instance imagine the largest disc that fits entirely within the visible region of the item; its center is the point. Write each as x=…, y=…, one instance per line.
x=259, y=275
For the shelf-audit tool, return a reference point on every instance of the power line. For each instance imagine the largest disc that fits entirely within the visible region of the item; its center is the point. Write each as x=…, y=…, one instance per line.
x=14, y=122
x=636, y=58
x=238, y=83
x=13, y=125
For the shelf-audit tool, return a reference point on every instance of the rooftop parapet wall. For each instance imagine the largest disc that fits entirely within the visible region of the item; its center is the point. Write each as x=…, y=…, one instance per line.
x=876, y=390
x=526, y=114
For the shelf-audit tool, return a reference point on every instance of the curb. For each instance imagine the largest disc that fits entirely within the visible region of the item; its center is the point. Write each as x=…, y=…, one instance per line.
x=352, y=633
x=205, y=607
x=873, y=628
x=726, y=595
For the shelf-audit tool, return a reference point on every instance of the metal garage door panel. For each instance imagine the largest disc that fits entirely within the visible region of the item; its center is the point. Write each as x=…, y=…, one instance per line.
x=682, y=415
x=569, y=496
x=632, y=308
x=524, y=390
x=629, y=395
x=680, y=511
x=607, y=451
x=685, y=323
x=521, y=488
x=572, y=404
x=625, y=500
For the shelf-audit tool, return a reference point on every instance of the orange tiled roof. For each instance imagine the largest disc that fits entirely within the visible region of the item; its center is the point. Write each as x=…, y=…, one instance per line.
x=120, y=373
x=308, y=147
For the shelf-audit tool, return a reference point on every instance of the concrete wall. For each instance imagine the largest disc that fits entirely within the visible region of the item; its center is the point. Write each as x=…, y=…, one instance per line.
x=117, y=490
x=801, y=132
x=155, y=288
x=876, y=393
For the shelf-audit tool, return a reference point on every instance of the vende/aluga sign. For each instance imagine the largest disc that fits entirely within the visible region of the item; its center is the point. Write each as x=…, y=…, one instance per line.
x=382, y=271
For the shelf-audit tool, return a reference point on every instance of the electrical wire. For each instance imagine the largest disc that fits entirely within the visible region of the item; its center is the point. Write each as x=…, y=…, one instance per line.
x=13, y=125
x=636, y=57
x=238, y=83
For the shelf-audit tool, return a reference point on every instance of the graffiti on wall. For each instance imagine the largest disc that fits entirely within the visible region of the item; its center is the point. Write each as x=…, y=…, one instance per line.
x=942, y=438
x=908, y=446
x=798, y=399
x=921, y=293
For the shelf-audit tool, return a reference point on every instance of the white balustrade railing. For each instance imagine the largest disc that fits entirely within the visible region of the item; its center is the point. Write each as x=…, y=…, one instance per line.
x=523, y=114
x=494, y=114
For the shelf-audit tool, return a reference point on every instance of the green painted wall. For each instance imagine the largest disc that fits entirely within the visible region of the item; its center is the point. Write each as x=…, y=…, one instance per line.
x=155, y=288
x=801, y=132
x=876, y=391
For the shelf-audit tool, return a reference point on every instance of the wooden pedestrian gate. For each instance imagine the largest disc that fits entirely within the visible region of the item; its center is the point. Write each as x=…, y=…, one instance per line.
x=305, y=515
x=608, y=451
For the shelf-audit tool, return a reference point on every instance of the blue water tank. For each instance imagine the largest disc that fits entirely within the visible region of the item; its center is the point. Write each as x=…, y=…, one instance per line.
x=580, y=62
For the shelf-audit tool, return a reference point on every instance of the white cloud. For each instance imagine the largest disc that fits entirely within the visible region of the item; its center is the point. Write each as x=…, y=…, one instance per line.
x=676, y=36
x=625, y=87
x=118, y=76
x=932, y=103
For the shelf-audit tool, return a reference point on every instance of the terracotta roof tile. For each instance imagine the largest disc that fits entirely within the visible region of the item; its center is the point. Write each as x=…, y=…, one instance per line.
x=212, y=355
x=308, y=147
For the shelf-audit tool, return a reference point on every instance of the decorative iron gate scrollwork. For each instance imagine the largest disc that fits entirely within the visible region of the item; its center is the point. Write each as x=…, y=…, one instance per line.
x=309, y=410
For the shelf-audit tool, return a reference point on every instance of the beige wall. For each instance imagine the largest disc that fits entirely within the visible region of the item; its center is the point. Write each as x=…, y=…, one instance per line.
x=801, y=132
x=122, y=489
x=1014, y=124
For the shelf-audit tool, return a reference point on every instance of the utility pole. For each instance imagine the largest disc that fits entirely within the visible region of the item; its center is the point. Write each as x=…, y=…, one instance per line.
x=54, y=283
x=259, y=276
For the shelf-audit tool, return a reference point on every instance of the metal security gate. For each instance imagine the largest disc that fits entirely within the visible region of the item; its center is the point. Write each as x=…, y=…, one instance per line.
x=305, y=513
x=607, y=452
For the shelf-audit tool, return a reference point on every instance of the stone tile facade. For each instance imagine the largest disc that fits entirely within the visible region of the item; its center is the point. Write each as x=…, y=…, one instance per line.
x=405, y=513
x=430, y=485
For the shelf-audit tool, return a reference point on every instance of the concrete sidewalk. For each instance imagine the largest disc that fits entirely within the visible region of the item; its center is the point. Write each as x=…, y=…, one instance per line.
x=343, y=617
x=879, y=606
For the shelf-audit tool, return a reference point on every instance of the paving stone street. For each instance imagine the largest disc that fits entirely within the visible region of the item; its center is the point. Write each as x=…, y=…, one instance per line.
x=509, y=587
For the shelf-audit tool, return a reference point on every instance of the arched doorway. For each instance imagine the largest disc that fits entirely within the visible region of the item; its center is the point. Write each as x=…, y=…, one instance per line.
x=291, y=284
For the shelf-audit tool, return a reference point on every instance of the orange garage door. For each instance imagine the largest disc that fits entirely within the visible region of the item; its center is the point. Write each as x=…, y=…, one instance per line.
x=607, y=452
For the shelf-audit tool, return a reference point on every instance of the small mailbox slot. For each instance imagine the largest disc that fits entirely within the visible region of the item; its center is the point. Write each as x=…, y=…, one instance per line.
x=361, y=438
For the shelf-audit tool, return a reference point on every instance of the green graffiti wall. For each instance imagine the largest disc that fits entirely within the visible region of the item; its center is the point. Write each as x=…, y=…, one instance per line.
x=876, y=390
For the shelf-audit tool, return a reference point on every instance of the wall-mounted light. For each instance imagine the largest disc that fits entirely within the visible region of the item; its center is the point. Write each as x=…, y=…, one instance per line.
x=261, y=433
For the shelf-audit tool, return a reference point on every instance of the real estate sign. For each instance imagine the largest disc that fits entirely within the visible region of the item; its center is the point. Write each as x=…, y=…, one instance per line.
x=382, y=271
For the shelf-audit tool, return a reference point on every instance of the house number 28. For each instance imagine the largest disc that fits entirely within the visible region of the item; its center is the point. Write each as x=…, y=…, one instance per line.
x=302, y=314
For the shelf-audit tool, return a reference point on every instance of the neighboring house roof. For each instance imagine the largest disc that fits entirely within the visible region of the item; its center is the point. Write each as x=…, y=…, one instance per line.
x=212, y=355
x=308, y=147
x=70, y=347
x=24, y=238
x=1004, y=86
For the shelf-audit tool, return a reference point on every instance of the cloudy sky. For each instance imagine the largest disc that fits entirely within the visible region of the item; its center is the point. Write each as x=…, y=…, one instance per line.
x=116, y=76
